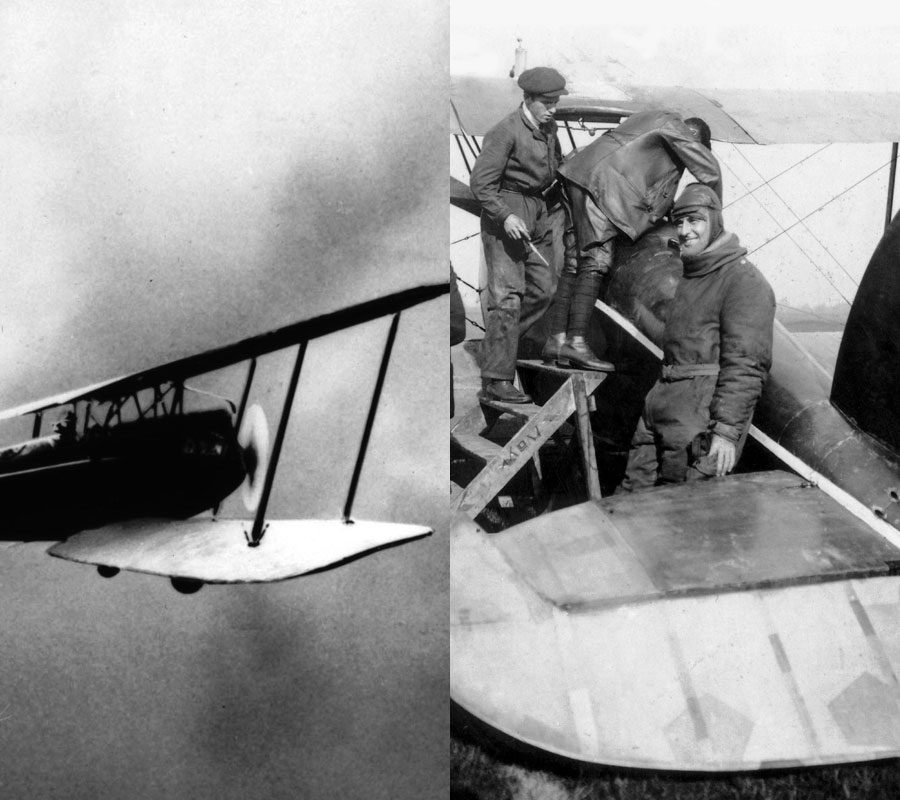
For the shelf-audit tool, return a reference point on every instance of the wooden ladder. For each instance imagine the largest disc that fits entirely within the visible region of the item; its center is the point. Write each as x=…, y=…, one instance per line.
x=501, y=462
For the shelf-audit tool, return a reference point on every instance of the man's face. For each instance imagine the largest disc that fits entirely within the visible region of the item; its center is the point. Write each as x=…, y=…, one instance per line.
x=541, y=106
x=693, y=232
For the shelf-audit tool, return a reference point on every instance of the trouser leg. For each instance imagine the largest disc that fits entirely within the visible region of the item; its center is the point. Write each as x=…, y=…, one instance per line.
x=505, y=287
x=540, y=279
x=680, y=412
x=595, y=239
x=641, y=470
x=559, y=308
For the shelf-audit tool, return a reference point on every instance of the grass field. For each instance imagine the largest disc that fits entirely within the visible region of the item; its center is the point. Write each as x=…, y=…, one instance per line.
x=483, y=772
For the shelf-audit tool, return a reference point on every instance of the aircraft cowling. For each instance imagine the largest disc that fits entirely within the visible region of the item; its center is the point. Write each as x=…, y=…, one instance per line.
x=794, y=410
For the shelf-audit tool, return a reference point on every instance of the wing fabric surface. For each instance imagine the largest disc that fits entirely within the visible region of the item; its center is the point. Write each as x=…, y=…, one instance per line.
x=743, y=623
x=218, y=358
x=216, y=551
x=740, y=116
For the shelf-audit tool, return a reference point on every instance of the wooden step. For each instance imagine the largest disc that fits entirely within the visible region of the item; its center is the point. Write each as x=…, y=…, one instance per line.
x=564, y=372
x=476, y=446
x=522, y=410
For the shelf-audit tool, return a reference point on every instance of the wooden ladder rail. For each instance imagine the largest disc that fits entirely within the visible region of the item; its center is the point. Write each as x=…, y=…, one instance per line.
x=502, y=462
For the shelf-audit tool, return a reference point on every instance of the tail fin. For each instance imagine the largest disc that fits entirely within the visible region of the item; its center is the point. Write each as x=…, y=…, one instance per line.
x=866, y=384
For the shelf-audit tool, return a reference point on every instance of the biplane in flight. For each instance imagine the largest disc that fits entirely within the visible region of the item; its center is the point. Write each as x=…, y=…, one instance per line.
x=749, y=622
x=129, y=461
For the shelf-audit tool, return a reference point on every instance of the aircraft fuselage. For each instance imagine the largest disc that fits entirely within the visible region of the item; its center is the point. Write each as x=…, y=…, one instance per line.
x=171, y=466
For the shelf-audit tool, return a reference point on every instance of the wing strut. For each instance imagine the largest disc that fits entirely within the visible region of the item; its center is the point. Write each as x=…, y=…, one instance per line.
x=258, y=529
x=376, y=395
x=889, y=212
x=251, y=371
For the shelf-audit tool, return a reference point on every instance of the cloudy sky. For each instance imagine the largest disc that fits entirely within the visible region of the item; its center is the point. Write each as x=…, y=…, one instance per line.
x=177, y=176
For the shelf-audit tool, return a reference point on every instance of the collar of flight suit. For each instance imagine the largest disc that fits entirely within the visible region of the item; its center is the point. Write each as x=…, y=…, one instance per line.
x=724, y=249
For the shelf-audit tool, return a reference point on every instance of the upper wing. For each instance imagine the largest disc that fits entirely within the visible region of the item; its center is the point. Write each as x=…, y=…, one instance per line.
x=741, y=116
x=247, y=348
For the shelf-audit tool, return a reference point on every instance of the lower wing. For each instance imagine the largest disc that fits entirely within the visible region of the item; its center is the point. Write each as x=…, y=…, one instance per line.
x=217, y=551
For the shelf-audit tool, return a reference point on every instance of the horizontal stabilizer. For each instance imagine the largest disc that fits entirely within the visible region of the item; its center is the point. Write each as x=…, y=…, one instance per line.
x=216, y=551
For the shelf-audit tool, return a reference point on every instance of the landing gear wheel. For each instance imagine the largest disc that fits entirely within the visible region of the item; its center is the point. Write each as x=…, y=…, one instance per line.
x=186, y=585
x=107, y=571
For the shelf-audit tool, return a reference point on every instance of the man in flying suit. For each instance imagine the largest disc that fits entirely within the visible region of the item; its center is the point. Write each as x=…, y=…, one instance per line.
x=621, y=184
x=510, y=179
x=717, y=351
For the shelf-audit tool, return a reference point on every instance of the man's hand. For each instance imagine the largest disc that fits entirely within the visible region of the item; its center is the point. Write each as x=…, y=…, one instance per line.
x=724, y=452
x=515, y=227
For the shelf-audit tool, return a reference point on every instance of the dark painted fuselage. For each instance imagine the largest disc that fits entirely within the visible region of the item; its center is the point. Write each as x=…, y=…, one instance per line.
x=169, y=466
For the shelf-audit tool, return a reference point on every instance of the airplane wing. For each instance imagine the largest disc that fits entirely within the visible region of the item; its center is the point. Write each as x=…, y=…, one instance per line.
x=480, y=103
x=741, y=116
x=202, y=550
x=741, y=623
x=216, y=551
x=252, y=347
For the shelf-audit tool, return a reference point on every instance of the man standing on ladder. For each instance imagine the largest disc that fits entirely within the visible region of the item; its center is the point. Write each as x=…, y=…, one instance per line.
x=623, y=183
x=521, y=225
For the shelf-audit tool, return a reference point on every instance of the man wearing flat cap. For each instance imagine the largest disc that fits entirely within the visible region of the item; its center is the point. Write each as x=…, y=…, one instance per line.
x=622, y=184
x=511, y=177
x=717, y=351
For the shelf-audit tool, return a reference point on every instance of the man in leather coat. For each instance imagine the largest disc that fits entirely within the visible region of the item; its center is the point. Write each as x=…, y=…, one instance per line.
x=621, y=184
x=717, y=351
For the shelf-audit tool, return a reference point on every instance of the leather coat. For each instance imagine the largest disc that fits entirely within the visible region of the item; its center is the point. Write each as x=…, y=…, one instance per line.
x=632, y=172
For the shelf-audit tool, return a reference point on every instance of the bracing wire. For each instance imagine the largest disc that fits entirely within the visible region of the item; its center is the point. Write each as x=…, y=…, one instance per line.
x=466, y=238
x=462, y=152
x=821, y=270
x=788, y=207
x=817, y=210
x=775, y=177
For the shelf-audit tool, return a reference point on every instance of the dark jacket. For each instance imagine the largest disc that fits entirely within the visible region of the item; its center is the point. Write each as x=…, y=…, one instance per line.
x=632, y=171
x=723, y=313
x=514, y=154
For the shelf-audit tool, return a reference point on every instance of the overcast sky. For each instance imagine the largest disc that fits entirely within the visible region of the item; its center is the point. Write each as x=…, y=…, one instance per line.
x=176, y=176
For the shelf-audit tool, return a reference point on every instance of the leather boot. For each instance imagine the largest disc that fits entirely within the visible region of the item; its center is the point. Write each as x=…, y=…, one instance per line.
x=550, y=351
x=580, y=356
x=505, y=392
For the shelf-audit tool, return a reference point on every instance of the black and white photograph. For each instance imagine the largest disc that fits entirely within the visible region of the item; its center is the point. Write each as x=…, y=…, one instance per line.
x=675, y=442
x=224, y=354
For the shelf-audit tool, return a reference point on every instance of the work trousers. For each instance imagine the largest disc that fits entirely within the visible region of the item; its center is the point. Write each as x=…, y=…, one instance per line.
x=667, y=446
x=519, y=285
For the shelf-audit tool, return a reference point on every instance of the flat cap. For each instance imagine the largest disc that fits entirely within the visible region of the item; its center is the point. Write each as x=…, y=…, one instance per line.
x=543, y=80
